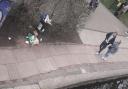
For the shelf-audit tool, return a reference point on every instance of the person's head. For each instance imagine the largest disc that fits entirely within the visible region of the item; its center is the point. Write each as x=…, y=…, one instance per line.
x=115, y=33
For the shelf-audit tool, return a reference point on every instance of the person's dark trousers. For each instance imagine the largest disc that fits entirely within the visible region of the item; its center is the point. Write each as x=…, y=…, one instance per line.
x=103, y=46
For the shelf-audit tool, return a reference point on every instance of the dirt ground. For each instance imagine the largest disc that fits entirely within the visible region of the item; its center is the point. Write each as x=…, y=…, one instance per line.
x=64, y=14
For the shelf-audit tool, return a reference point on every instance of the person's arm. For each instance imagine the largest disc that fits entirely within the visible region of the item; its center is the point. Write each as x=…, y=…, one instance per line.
x=110, y=46
x=108, y=35
x=112, y=41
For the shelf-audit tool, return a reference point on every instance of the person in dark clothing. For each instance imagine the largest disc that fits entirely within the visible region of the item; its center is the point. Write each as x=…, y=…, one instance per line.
x=110, y=39
x=41, y=26
x=93, y=4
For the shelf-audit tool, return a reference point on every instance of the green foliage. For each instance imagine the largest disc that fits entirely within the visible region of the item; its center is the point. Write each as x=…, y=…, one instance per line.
x=124, y=19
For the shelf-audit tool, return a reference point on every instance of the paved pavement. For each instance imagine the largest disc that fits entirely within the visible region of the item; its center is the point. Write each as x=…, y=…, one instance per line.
x=25, y=62
x=102, y=20
x=64, y=64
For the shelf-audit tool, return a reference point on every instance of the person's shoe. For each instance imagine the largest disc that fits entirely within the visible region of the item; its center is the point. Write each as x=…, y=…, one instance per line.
x=103, y=58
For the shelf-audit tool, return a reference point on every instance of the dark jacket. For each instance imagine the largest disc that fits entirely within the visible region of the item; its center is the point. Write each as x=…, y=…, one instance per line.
x=114, y=47
x=112, y=40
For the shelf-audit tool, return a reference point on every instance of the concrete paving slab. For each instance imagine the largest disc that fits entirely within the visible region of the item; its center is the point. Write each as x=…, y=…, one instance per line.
x=105, y=67
x=76, y=49
x=63, y=60
x=88, y=68
x=45, y=65
x=41, y=51
x=35, y=86
x=58, y=49
x=3, y=73
x=119, y=58
x=24, y=55
x=93, y=58
x=27, y=69
x=91, y=37
x=6, y=56
x=80, y=58
x=54, y=82
x=91, y=49
x=13, y=71
x=124, y=41
x=122, y=51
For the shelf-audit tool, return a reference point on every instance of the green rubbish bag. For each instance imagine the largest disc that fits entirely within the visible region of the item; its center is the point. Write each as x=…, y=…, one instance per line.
x=30, y=38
